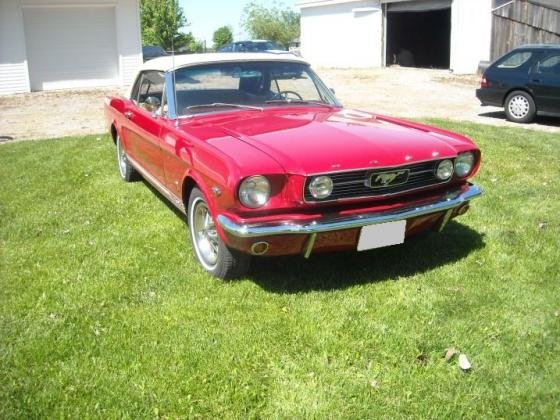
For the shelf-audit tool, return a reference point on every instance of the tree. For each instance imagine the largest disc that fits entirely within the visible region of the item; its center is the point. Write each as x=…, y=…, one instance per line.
x=222, y=36
x=161, y=22
x=277, y=23
x=196, y=46
x=187, y=43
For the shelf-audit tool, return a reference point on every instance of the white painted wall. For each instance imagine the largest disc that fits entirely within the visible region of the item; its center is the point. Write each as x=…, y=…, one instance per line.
x=13, y=61
x=333, y=34
x=471, y=34
x=14, y=74
x=342, y=35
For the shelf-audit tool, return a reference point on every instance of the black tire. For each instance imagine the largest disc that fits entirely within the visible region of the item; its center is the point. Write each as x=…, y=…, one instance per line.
x=520, y=107
x=127, y=172
x=209, y=249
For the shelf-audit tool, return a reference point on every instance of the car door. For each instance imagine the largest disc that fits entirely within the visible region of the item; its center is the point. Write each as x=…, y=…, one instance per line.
x=143, y=128
x=176, y=143
x=545, y=83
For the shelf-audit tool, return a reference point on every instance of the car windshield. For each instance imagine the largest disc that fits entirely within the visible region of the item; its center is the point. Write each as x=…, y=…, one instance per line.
x=248, y=85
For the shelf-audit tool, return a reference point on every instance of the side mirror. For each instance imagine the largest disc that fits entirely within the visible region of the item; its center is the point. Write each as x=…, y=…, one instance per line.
x=152, y=104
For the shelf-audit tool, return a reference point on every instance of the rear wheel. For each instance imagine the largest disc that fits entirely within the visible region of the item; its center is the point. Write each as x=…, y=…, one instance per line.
x=520, y=107
x=212, y=253
x=127, y=172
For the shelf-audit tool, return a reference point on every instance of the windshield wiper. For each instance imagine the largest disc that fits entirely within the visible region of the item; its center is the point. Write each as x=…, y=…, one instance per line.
x=297, y=101
x=221, y=105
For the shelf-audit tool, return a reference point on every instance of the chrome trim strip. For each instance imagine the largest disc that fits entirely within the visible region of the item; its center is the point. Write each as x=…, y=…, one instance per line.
x=157, y=185
x=380, y=168
x=423, y=172
x=451, y=200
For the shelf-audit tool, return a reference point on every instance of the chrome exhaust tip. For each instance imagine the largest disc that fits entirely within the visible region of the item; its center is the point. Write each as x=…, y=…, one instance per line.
x=259, y=248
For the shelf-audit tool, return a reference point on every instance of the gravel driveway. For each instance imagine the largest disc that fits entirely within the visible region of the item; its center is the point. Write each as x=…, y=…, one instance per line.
x=404, y=92
x=420, y=93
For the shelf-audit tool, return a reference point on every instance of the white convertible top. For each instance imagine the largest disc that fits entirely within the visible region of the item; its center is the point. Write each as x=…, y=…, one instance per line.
x=166, y=63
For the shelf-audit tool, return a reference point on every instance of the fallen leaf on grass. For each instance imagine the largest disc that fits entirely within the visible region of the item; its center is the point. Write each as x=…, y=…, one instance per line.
x=464, y=363
x=374, y=384
x=449, y=353
x=557, y=313
x=542, y=225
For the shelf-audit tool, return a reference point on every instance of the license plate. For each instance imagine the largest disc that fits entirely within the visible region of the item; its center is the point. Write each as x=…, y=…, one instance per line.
x=383, y=234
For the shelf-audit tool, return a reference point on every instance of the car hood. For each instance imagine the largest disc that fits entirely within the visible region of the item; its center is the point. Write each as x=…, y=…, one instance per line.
x=310, y=142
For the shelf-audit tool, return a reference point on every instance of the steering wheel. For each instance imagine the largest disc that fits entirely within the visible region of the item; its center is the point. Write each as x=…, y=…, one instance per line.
x=284, y=94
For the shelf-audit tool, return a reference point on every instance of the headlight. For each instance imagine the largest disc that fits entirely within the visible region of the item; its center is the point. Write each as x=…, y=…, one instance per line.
x=464, y=164
x=254, y=191
x=321, y=187
x=444, y=170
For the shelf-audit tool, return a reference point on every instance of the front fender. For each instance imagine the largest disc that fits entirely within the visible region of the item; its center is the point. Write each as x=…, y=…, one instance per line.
x=193, y=179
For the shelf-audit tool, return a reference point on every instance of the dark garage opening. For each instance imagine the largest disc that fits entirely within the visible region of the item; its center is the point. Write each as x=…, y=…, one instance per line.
x=419, y=39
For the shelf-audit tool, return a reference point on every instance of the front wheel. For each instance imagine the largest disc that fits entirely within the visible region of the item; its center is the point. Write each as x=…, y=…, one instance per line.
x=520, y=107
x=127, y=172
x=212, y=253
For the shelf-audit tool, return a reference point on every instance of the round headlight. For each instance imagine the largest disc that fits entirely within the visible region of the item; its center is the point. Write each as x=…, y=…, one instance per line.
x=321, y=187
x=464, y=164
x=254, y=191
x=444, y=170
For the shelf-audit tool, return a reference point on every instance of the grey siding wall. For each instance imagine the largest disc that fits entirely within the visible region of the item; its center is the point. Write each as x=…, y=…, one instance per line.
x=525, y=22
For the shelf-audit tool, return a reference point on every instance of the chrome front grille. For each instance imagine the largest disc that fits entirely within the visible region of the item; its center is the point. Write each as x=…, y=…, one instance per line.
x=355, y=184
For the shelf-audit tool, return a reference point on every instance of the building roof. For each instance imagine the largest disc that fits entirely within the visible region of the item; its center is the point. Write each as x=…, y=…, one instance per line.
x=167, y=63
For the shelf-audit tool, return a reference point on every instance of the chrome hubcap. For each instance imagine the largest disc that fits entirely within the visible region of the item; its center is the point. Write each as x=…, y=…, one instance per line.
x=204, y=234
x=121, y=156
x=519, y=106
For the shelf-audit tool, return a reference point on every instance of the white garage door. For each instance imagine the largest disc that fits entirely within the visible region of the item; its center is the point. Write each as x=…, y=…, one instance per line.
x=71, y=46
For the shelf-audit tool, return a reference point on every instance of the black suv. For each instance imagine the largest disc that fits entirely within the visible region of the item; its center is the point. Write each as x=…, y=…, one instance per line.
x=525, y=81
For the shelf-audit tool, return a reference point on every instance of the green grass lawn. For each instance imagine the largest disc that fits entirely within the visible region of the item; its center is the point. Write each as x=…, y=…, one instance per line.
x=104, y=311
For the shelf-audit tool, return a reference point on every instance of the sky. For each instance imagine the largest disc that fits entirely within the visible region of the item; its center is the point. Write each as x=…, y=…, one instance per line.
x=205, y=16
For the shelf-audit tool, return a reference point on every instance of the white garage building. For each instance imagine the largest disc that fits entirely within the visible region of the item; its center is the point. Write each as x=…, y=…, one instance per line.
x=452, y=34
x=56, y=44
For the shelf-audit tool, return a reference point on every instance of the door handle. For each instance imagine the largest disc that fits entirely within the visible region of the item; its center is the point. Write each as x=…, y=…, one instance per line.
x=128, y=115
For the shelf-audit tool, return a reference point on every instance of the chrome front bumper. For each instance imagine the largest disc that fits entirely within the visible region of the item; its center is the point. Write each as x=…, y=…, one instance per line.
x=451, y=200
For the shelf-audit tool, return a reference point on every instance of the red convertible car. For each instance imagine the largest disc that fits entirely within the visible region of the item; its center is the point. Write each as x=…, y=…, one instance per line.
x=263, y=160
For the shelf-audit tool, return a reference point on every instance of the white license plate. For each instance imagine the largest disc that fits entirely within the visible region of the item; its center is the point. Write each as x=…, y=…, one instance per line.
x=383, y=234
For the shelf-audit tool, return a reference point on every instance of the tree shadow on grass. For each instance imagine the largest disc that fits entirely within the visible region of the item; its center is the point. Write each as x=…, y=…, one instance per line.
x=337, y=271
